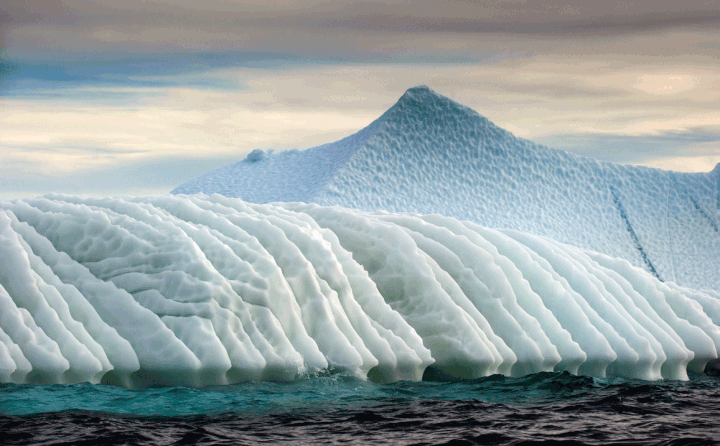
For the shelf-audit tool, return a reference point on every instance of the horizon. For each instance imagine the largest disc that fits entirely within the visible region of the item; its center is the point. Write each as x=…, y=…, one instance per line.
x=104, y=99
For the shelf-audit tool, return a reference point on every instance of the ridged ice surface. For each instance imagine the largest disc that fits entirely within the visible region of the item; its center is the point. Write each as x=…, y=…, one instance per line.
x=203, y=290
x=430, y=244
x=429, y=154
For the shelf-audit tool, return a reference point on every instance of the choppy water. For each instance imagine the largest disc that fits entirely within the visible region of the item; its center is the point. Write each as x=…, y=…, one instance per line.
x=334, y=409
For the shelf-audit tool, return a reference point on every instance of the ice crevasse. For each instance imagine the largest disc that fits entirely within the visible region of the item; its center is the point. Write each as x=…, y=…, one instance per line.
x=204, y=290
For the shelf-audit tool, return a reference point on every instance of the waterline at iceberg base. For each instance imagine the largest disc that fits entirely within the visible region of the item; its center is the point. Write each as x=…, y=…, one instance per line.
x=203, y=290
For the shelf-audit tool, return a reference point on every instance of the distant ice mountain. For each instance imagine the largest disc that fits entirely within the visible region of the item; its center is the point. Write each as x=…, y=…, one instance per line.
x=428, y=154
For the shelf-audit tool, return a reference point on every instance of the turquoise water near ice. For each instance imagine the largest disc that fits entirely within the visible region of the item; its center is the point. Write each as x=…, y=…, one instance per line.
x=319, y=392
x=331, y=409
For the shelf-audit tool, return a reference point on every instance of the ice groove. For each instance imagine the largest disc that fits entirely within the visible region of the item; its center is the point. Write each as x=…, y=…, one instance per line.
x=205, y=290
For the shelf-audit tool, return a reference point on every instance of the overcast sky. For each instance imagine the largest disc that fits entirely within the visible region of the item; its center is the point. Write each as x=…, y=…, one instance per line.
x=107, y=97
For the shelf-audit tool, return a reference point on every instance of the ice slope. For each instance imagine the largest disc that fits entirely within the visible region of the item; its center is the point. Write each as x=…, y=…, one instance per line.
x=429, y=154
x=203, y=290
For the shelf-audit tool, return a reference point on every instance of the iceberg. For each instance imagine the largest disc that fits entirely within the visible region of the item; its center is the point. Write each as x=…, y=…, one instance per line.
x=428, y=154
x=431, y=244
x=206, y=290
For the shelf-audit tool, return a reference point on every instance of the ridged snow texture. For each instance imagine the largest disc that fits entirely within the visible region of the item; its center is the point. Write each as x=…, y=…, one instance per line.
x=198, y=290
x=428, y=154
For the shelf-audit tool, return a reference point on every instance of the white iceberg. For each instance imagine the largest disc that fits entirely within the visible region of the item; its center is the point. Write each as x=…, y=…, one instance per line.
x=428, y=154
x=381, y=262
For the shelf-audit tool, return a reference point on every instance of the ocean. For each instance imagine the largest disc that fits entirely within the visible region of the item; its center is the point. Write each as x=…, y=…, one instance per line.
x=336, y=409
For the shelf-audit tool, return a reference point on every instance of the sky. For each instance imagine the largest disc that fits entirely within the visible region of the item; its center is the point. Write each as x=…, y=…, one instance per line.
x=101, y=97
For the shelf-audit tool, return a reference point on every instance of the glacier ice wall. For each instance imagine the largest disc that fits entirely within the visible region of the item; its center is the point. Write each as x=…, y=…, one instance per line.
x=203, y=290
x=429, y=154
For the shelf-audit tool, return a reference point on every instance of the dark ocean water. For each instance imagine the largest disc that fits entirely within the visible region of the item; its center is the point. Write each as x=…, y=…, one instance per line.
x=333, y=409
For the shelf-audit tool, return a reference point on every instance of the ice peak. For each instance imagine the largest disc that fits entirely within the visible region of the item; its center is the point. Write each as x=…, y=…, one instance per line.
x=421, y=90
x=422, y=104
x=424, y=96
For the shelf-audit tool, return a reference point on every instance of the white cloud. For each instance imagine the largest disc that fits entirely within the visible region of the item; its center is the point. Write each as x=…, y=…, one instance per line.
x=666, y=84
x=685, y=163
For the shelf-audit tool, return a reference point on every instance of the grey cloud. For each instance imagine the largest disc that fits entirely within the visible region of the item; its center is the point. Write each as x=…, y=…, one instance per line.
x=558, y=90
x=17, y=12
x=393, y=15
x=5, y=19
x=293, y=19
x=385, y=31
x=619, y=148
x=599, y=25
x=75, y=147
x=561, y=86
x=156, y=174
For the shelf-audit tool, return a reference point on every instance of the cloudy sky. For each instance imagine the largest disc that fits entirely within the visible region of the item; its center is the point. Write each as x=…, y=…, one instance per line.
x=108, y=97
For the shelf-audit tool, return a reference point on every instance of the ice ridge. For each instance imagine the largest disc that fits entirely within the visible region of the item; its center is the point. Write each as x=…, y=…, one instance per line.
x=205, y=290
